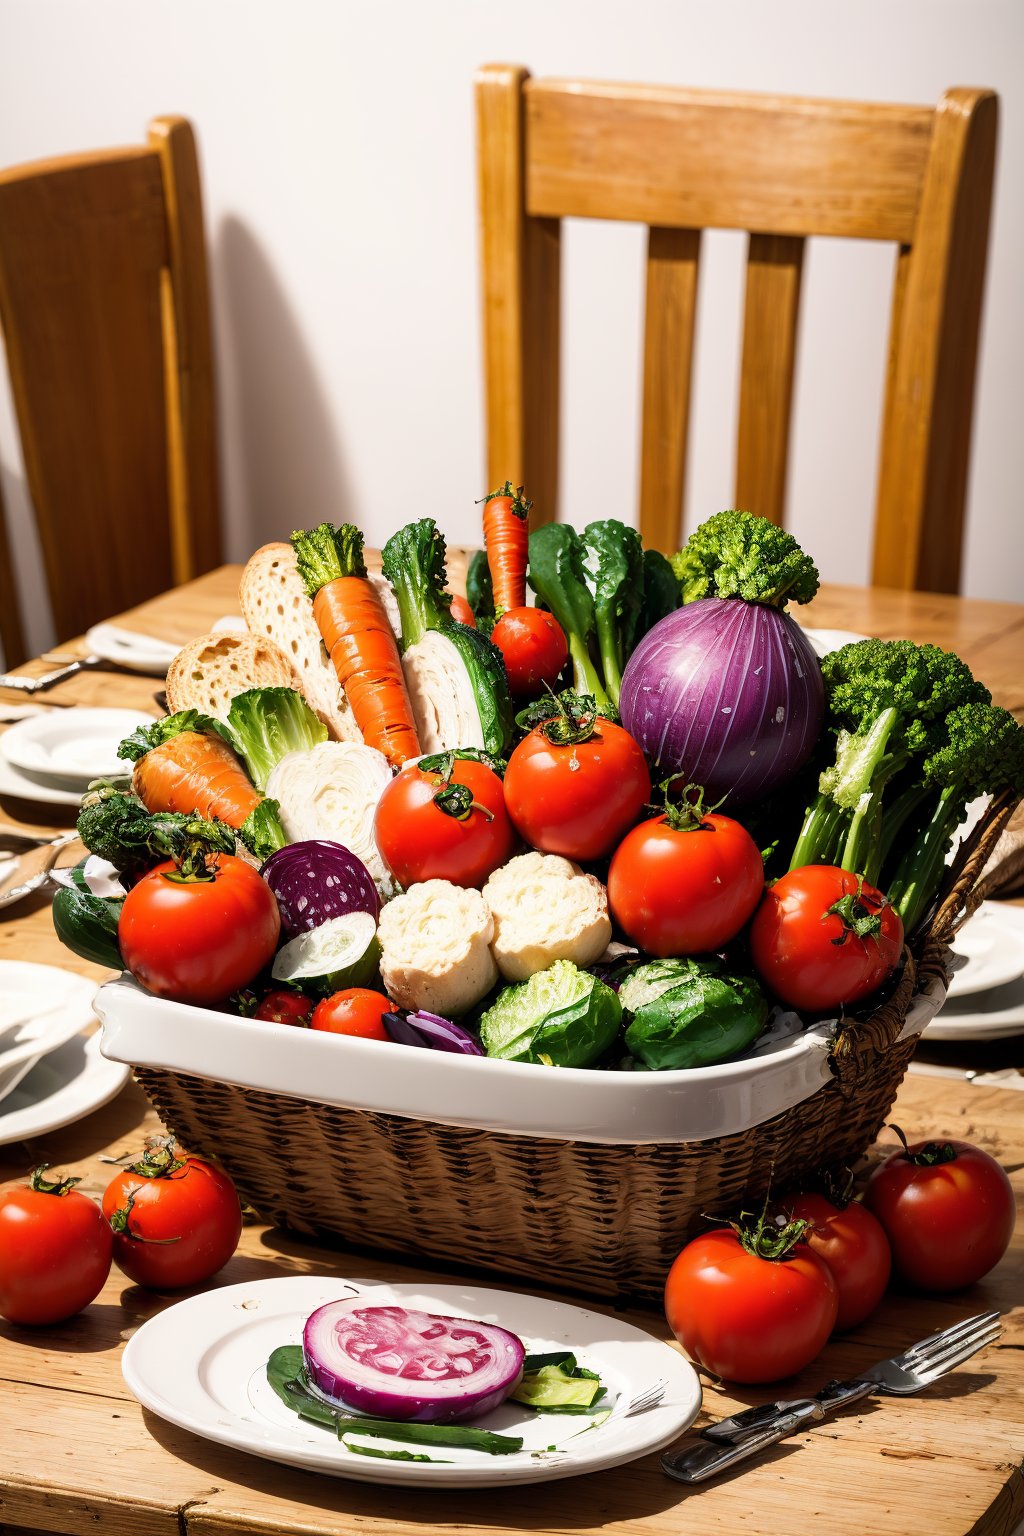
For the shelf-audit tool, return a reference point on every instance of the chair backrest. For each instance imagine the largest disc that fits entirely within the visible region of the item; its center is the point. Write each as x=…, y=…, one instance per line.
x=105, y=315
x=782, y=168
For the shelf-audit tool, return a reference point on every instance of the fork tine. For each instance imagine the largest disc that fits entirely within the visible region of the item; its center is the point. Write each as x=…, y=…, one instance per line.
x=923, y=1351
x=938, y=1365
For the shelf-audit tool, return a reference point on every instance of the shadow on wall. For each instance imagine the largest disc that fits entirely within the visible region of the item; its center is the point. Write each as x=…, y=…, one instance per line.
x=27, y=559
x=286, y=451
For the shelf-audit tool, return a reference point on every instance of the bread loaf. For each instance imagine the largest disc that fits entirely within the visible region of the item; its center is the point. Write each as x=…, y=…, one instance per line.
x=207, y=673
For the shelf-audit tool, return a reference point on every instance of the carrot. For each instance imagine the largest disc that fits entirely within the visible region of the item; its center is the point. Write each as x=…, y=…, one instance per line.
x=506, y=537
x=358, y=637
x=193, y=773
x=461, y=612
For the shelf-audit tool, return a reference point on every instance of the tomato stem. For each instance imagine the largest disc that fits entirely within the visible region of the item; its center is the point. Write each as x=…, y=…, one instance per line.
x=686, y=813
x=43, y=1186
x=857, y=917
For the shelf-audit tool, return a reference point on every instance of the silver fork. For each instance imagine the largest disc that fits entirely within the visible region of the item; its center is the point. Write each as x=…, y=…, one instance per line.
x=744, y=1434
x=648, y=1399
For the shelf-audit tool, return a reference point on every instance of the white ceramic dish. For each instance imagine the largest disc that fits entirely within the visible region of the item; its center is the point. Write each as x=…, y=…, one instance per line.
x=825, y=640
x=201, y=1364
x=572, y=1104
x=61, y=1088
x=139, y=653
x=40, y=1008
x=73, y=745
x=993, y=1015
x=992, y=944
x=15, y=784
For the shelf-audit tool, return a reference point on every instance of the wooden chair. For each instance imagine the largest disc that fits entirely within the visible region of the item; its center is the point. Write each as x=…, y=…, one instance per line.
x=105, y=315
x=782, y=168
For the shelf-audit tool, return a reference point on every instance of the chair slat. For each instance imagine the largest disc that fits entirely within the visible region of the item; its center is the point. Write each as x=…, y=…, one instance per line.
x=774, y=267
x=672, y=270
x=791, y=165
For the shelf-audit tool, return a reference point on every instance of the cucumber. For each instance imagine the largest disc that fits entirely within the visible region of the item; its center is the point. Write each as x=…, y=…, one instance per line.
x=87, y=925
x=343, y=952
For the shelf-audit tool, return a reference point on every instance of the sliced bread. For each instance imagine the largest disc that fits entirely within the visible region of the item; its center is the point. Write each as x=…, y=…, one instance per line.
x=276, y=606
x=207, y=673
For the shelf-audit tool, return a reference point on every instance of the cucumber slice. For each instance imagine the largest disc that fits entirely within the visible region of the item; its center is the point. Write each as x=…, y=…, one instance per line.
x=343, y=952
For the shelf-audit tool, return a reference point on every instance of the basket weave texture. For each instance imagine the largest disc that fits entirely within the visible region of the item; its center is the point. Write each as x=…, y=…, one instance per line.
x=602, y=1219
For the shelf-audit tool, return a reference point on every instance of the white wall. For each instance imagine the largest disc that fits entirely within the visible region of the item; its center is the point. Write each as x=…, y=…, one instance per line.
x=337, y=148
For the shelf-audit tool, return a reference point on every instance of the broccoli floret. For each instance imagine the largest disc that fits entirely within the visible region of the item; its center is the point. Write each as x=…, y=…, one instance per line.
x=735, y=554
x=118, y=828
x=885, y=703
x=983, y=753
x=613, y=559
x=264, y=724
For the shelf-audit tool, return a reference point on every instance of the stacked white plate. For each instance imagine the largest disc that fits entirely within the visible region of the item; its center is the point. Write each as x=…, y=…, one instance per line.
x=51, y=1071
x=52, y=757
x=986, y=994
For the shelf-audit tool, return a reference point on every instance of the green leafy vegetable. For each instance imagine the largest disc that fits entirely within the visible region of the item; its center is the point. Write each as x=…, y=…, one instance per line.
x=662, y=595
x=264, y=724
x=613, y=560
x=287, y=1375
x=117, y=827
x=690, y=1013
x=87, y=924
x=479, y=588
x=326, y=553
x=561, y=1017
x=145, y=737
x=262, y=832
x=558, y=576
x=735, y=554
x=556, y=1384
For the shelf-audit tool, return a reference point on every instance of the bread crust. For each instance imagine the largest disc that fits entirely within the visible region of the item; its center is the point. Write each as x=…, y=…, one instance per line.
x=207, y=673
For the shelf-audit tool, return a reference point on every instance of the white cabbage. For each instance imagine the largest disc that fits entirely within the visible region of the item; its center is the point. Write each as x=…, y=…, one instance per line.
x=331, y=791
x=441, y=694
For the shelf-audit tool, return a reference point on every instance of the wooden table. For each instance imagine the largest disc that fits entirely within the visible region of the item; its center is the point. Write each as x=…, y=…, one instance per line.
x=80, y=1455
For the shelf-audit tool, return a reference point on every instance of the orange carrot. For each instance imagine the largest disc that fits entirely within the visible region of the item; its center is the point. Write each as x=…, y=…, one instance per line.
x=506, y=538
x=461, y=612
x=195, y=774
x=358, y=637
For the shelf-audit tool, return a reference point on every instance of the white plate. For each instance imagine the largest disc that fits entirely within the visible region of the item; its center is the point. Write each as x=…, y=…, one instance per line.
x=63, y=1087
x=201, y=1364
x=993, y=1015
x=993, y=944
x=140, y=653
x=824, y=641
x=15, y=784
x=73, y=745
x=40, y=1008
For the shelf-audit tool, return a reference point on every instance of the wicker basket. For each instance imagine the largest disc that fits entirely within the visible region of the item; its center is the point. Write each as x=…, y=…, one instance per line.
x=591, y=1217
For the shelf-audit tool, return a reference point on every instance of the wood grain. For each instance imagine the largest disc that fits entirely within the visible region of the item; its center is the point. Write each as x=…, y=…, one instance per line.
x=670, y=312
x=80, y=1454
x=774, y=268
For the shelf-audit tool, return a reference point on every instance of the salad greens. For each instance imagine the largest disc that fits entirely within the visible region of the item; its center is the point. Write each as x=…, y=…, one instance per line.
x=690, y=1013
x=264, y=724
x=117, y=827
x=554, y=1383
x=559, y=578
x=561, y=1017
x=613, y=560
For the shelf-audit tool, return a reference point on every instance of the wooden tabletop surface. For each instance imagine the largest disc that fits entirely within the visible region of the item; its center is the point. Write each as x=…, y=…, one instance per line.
x=79, y=1454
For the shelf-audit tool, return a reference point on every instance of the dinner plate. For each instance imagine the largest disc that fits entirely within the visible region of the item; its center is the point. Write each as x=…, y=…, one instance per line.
x=74, y=745
x=993, y=1015
x=40, y=1008
x=62, y=1087
x=992, y=943
x=16, y=784
x=201, y=1364
x=825, y=641
x=139, y=653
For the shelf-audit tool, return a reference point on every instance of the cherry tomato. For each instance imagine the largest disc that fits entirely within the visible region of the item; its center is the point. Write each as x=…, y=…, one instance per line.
x=685, y=883
x=176, y=1219
x=822, y=938
x=283, y=1006
x=355, y=1011
x=576, y=798
x=444, y=819
x=461, y=612
x=55, y=1250
x=853, y=1244
x=532, y=645
x=948, y=1210
x=748, y=1318
x=199, y=940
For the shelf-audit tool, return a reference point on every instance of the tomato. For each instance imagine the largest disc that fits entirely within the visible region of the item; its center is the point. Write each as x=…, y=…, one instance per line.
x=461, y=612
x=853, y=1244
x=283, y=1006
x=533, y=648
x=576, y=797
x=199, y=940
x=822, y=938
x=444, y=818
x=745, y=1317
x=948, y=1210
x=176, y=1219
x=55, y=1250
x=686, y=882
x=355, y=1011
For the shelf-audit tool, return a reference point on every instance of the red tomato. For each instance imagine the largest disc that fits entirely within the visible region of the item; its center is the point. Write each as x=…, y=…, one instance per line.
x=355, y=1011
x=461, y=612
x=283, y=1006
x=532, y=645
x=854, y=1246
x=176, y=1219
x=444, y=820
x=948, y=1210
x=54, y=1251
x=684, y=890
x=746, y=1318
x=815, y=957
x=199, y=940
x=580, y=798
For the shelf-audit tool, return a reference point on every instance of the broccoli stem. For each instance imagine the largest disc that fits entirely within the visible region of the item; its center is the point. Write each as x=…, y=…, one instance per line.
x=919, y=874
x=820, y=834
x=585, y=678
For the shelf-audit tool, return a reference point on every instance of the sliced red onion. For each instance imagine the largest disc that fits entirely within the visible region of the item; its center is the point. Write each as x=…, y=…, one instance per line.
x=400, y=1364
x=728, y=693
x=431, y=1031
x=316, y=880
